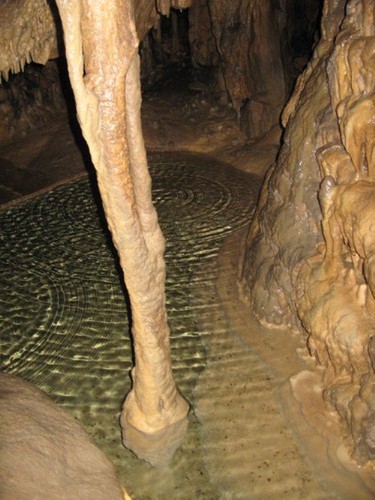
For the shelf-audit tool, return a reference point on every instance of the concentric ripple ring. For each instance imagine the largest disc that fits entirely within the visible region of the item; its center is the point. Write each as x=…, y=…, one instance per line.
x=64, y=318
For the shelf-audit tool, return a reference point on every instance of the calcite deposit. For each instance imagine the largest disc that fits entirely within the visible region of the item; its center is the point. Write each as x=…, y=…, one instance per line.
x=309, y=262
x=28, y=32
x=254, y=49
x=310, y=256
x=30, y=98
x=203, y=46
x=248, y=36
x=101, y=48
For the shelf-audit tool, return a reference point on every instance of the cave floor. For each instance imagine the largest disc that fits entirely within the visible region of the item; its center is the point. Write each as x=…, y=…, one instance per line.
x=64, y=318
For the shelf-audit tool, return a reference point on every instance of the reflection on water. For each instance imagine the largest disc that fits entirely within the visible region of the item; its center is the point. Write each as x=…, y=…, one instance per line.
x=64, y=326
x=64, y=317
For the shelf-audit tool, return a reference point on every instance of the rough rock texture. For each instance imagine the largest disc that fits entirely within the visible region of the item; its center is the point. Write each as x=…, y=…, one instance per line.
x=101, y=48
x=28, y=32
x=29, y=99
x=255, y=48
x=44, y=453
x=248, y=35
x=203, y=47
x=147, y=12
x=309, y=261
x=166, y=43
x=239, y=41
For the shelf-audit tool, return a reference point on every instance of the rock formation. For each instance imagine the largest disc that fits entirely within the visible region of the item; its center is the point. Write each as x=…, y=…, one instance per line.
x=101, y=48
x=203, y=47
x=255, y=49
x=248, y=36
x=310, y=258
x=309, y=261
x=29, y=99
x=44, y=453
x=28, y=32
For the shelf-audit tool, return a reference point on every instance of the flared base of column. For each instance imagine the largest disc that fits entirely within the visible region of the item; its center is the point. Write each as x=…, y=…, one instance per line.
x=156, y=448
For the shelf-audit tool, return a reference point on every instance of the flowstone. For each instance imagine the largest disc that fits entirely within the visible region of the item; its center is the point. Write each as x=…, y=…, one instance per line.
x=309, y=262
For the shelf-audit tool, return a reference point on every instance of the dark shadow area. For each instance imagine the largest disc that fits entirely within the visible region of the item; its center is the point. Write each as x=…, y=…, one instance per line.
x=72, y=113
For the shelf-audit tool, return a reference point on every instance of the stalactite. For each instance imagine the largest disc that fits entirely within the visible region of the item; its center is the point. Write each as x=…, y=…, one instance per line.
x=27, y=31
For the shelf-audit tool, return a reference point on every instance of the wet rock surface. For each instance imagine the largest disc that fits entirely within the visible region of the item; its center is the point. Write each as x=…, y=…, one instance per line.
x=289, y=255
x=309, y=259
x=65, y=328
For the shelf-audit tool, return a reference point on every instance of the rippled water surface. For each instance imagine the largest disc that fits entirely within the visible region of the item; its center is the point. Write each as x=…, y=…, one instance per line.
x=64, y=318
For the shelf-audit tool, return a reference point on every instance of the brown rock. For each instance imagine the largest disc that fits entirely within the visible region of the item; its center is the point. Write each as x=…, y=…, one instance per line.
x=312, y=266
x=105, y=77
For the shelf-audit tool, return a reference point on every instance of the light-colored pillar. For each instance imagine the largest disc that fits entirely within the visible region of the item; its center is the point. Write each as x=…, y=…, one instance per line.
x=101, y=48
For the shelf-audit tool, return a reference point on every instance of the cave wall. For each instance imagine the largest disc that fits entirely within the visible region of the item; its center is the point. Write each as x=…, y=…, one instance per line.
x=34, y=84
x=248, y=35
x=262, y=46
x=255, y=48
x=241, y=40
x=30, y=30
x=309, y=260
x=203, y=47
x=30, y=98
x=300, y=35
x=166, y=43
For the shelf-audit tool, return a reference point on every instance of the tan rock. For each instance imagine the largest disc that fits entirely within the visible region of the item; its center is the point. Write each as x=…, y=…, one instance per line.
x=101, y=47
x=311, y=266
x=44, y=453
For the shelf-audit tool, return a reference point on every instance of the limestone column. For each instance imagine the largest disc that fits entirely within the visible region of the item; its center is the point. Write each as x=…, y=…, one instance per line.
x=101, y=47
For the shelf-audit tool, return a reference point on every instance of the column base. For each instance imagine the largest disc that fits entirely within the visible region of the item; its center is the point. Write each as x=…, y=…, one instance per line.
x=158, y=447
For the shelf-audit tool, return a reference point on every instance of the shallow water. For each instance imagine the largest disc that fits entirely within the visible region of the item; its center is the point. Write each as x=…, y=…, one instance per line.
x=64, y=326
x=64, y=317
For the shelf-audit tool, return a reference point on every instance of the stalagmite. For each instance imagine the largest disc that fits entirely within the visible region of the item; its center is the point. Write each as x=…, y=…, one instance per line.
x=309, y=265
x=101, y=48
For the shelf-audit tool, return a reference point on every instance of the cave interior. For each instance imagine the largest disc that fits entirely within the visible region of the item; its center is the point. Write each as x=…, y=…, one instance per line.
x=258, y=121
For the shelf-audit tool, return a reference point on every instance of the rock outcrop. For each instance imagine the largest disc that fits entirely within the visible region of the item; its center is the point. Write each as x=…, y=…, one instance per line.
x=28, y=32
x=254, y=48
x=44, y=453
x=309, y=261
x=29, y=99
